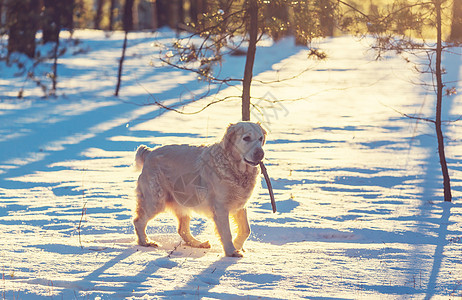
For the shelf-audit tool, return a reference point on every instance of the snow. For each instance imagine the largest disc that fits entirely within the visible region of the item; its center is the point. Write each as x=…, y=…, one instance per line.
x=358, y=188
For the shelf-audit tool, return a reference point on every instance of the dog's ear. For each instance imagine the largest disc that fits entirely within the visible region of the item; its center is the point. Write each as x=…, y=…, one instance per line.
x=264, y=133
x=229, y=141
x=230, y=137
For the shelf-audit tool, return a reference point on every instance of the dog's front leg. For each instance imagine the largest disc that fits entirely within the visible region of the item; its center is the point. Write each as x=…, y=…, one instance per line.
x=243, y=228
x=221, y=218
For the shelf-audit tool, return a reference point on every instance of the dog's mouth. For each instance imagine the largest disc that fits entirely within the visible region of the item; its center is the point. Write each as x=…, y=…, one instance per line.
x=251, y=162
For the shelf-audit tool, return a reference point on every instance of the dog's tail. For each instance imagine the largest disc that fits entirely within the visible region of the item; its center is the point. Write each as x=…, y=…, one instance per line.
x=140, y=156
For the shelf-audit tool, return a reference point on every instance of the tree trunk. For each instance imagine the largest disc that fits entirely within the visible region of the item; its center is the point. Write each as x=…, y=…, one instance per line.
x=22, y=24
x=299, y=26
x=204, y=6
x=121, y=62
x=67, y=20
x=79, y=14
x=456, y=25
x=99, y=13
x=111, y=15
x=280, y=12
x=128, y=15
x=1, y=14
x=326, y=17
x=162, y=9
x=198, y=7
x=136, y=17
x=154, y=23
x=56, y=15
x=51, y=21
x=181, y=12
x=252, y=48
x=173, y=16
x=193, y=11
x=128, y=26
x=439, y=102
x=54, y=75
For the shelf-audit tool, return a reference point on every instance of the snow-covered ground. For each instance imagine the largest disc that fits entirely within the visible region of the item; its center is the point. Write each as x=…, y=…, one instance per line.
x=358, y=188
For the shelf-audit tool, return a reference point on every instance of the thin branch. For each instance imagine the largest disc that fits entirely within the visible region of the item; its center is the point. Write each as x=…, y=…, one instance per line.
x=406, y=7
x=284, y=79
x=84, y=209
x=408, y=116
x=174, y=249
x=170, y=108
x=208, y=77
x=354, y=9
x=282, y=100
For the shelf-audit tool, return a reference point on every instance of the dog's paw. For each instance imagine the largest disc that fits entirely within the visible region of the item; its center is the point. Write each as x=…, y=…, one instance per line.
x=197, y=244
x=153, y=244
x=204, y=245
x=149, y=244
x=235, y=253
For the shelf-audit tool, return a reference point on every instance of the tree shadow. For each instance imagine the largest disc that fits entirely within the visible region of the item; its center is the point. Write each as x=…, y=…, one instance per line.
x=438, y=256
x=99, y=281
x=88, y=284
x=433, y=183
x=200, y=284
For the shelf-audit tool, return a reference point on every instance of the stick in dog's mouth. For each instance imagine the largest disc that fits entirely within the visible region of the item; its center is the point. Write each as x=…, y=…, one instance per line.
x=268, y=184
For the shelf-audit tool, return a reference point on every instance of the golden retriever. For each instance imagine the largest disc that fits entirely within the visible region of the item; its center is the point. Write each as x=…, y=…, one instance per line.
x=215, y=181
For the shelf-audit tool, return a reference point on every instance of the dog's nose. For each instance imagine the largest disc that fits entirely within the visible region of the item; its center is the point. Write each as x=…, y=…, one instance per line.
x=258, y=154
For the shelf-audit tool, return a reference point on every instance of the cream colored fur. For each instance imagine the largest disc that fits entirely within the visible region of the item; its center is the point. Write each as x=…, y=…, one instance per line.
x=223, y=175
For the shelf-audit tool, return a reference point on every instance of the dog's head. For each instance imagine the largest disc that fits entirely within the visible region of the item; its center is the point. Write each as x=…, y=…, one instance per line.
x=244, y=142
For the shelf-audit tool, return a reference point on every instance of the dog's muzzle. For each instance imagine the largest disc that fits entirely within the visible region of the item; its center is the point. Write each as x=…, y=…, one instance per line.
x=257, y=156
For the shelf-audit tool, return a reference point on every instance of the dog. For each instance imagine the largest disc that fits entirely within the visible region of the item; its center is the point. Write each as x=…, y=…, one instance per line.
x=215, y=181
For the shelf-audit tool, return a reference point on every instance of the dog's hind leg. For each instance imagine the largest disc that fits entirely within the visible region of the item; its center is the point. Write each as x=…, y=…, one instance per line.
x=243, y=228
x=140, y=229
x=185, y=232
x=148, y=205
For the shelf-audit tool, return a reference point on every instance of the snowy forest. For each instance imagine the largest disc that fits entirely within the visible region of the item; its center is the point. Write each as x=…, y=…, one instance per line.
x=358, y=163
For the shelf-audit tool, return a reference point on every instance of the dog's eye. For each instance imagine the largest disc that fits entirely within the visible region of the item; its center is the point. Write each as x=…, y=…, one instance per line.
x=247, y=138
x=261, y=139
